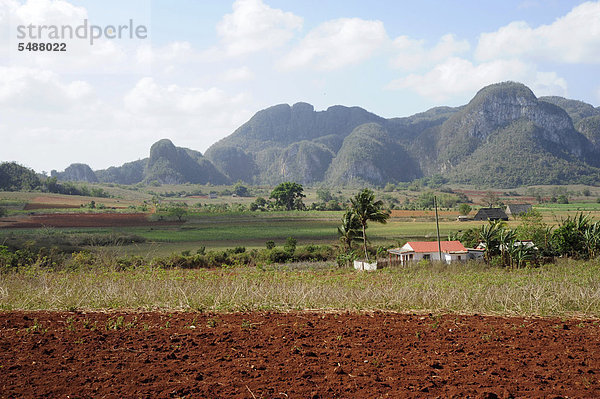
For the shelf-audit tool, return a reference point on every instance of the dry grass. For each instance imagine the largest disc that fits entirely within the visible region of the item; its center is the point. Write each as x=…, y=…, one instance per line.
x=566, y=289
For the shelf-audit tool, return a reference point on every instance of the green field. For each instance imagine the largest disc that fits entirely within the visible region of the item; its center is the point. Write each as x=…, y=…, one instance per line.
x=565, y=289
x=218, y=230
x=252, y=230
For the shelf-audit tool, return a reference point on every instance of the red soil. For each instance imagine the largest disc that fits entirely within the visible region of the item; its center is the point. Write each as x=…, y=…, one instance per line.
x=295, y=355
x=400, y=213
x=42, y=205
x=83, y=220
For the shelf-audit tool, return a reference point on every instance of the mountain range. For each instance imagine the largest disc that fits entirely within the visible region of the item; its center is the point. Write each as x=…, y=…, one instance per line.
x=504, y=137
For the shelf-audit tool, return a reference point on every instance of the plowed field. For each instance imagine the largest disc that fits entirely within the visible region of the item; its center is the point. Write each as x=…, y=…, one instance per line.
x=400, y=213
x=295, y=355
x=83, y=220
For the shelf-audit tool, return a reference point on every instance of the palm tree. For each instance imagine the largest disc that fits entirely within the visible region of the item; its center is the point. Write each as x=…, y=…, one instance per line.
x=591, y=237
x=366, y=209
x=349, y=231
x=488, y=235
x=506, y=237
x=521, y=253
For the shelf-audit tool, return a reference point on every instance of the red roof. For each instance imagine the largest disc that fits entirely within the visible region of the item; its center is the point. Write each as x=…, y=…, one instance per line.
x=432, y=246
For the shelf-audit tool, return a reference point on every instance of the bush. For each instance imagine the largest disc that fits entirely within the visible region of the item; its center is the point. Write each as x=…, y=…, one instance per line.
x=279, y=256
x=82, y=260
x=562, y=199
x=218, y=258
x=290, y=245
x=270, y=244
x=464, y=209
x=314, y=253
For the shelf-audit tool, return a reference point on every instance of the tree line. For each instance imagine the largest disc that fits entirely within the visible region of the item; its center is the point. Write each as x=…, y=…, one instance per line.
x=15, y=177
x=534, y=241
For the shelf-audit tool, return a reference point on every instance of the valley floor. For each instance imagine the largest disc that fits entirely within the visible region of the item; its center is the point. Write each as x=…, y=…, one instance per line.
x=295, y=354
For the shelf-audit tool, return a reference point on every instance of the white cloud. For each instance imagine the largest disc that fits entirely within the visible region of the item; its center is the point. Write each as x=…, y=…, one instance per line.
x=412, y=53
x=254, y=26
x=573, y=38
x=200, y=115
x=149, y=97
x=103, y=57
x=169, y=59
x=72, y=124
x=456, y=77
x=37, y=90
x=172, y=52
x=237, y=74
x=337, y=43
x=40, y=12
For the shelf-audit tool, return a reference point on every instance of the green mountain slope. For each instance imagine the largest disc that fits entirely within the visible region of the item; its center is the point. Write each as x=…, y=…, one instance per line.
x=519, y=154
x=370, y=155
x=590, y=128
x=128, y=173
x=76, y=172
x=173, y=165
x=504, y=136
x=577, y=110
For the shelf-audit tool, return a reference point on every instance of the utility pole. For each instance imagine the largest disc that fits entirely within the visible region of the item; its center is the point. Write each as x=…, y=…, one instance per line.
x=437, y=225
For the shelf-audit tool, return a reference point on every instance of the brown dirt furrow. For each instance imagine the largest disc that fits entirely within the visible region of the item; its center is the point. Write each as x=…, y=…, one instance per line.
x=85, y=220
x=295, y=355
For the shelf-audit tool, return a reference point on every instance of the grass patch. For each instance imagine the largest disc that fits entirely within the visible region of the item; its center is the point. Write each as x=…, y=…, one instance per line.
x=566, y=289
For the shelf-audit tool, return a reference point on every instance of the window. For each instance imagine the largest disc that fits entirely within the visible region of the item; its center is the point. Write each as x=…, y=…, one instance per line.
x=426, y=256
x=459, y=257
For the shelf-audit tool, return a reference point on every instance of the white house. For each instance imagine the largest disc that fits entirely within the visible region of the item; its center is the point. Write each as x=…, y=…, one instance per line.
x=414, y=251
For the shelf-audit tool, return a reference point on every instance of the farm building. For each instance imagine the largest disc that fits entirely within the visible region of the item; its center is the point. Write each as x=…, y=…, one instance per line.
x=414, y=251
x=517, y=243
x=517, y=209
x=490, y=214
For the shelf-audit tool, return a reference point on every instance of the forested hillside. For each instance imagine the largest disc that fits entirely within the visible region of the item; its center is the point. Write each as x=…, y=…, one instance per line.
x=503, y=137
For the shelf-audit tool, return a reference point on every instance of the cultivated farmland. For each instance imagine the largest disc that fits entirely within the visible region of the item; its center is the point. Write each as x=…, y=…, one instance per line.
x=115, y=319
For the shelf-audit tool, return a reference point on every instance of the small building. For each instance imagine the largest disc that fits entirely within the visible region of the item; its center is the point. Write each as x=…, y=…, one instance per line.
x=515, y=210
x=490, y=214
x=414, y=251
x=475, y=253
x=517, y=243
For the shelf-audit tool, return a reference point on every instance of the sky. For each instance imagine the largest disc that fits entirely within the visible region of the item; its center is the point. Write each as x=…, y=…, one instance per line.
x=194, y=71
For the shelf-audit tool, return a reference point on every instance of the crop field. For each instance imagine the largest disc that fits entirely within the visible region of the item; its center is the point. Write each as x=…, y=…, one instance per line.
x=302, y=331
x=566, y=289
x=308, y=329
x=225, y=231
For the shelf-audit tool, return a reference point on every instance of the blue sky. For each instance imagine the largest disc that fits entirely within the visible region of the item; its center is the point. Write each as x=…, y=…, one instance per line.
x=208, y=66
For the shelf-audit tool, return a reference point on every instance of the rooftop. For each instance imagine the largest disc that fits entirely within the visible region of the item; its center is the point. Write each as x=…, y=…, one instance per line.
x=430, y=246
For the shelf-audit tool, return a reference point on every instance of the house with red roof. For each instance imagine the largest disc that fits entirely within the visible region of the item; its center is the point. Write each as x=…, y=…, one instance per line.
x=414, y=251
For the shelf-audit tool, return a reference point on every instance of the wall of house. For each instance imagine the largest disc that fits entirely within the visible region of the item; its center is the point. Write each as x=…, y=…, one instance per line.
x=434, y=256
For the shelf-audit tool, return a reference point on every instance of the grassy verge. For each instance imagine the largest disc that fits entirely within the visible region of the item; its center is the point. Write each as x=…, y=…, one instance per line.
x=565, y=289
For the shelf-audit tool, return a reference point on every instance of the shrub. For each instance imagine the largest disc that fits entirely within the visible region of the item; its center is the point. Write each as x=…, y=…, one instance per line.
x=290, y=245
x=218, y=258
x=279, y=256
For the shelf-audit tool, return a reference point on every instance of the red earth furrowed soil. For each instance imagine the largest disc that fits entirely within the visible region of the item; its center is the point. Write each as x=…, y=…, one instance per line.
x=400, y=213
x=83, y=220
x=295, y=355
